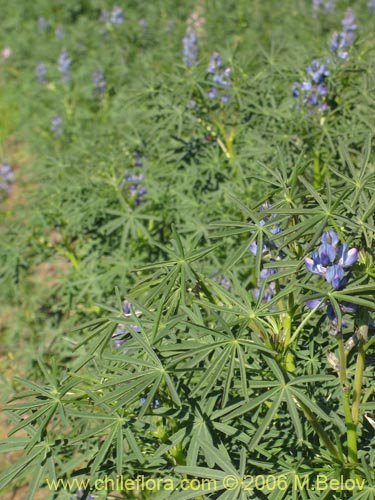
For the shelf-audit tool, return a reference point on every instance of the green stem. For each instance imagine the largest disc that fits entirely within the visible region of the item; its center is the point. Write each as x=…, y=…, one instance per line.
x=350, y=427
x=317, y=173
x=320, y=431
x=362, y=347
x=358, y=381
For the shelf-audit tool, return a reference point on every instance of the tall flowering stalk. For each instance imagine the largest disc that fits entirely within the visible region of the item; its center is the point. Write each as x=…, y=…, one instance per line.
x=265, y=273
x=56, y=125
x=194, y=30
x=63, y=65
x=220, y=77
x=331, y=260
x=122, y=332
x=313, y=89
x=341, y=41
x=40, y=71
x=133, y=183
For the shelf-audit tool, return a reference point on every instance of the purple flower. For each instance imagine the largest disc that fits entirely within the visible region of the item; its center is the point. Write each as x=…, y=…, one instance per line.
x=59, y=32
x=348, y=22
x=334, y=42
x=326, y=255
x=7, y=175
x=79, y=495
x=137, y=159
x=116, y=16
x=317, y=71
x=321, y=89
x=40, y=70
x=42, y=23
x=347, y=257
x=122, y=330
x=371, y=5
x=314, y=265
x=306, y=86
x=345, y=307
x=135, y=189
x=190, y=47
x=296, y=89
x=266, y=273
x=56, y=125
x=335, y=276
x=220, y=77
x=63, y=64
x=215, y=63
x=328, y=5
x=191, y=104
x=269, y=291
x=275, y=230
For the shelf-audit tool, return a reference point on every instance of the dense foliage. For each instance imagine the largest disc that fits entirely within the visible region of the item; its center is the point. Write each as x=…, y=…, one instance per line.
x=187, y=248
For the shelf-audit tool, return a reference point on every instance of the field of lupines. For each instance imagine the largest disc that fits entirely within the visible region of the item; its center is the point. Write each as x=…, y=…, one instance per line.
x=187, y=242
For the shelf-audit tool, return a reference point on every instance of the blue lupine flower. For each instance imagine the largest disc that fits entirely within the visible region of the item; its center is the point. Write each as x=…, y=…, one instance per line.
x=40, y=70
x=122, y=330
x=42, y=23
x=275, y=230
x=59, y=32
x=296, y=89
x=56, y=125
x=190, y=47
x=326, y=255
x=191, y=104
x=64, y=63
x=79, y=495
x=317, y=71
x=137, y=159
x=341, y=41
x=312, y=90
x=371, y=5
x=335, y=275
x=99, y=81
x=334, y=42
x=116, y=16
x=224, y=282
x=220, y=77
x=314, y=265
x=306, y=86
x=155, y=403
x=345, y=307
x=328, y=5
x=347, y=257
x=348, y=22
x=7, y=175
x=214, y=63
x=321, y=89
x=330, y=237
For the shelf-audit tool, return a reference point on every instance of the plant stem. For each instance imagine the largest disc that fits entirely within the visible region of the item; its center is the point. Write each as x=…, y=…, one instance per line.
x=320, y=431
x=363, y=334
x=350, y=427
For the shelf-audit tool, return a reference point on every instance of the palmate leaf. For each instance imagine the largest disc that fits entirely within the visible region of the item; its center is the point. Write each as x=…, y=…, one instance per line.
x=220, y=457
